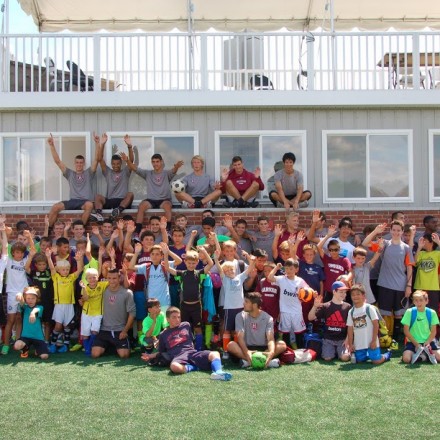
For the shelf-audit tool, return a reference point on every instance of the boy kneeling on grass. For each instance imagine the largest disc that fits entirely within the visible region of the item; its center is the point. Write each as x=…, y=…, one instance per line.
x=176, y=343
x=420, y=325
x=362, y=329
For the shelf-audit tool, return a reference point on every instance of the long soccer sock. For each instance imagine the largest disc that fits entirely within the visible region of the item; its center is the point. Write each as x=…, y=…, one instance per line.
x=67, y=333
x=86, y=345
x=397, y=328
x=216, y=365
x=190, y=368
x=226, y=341
x=208, y=335
x=199, y=342
x=54, y=337
x=91, y=341
x=299, y=340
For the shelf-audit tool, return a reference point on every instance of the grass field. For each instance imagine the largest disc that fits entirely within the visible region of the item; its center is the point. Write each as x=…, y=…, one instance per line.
x=71, y=396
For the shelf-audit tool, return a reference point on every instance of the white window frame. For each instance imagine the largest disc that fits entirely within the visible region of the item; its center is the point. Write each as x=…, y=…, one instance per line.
x=368, y=199
x=45, y=135
x=260, y=134
x=431, y=170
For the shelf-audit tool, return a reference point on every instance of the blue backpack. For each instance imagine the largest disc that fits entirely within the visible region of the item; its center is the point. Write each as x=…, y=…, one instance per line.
x=414, y=316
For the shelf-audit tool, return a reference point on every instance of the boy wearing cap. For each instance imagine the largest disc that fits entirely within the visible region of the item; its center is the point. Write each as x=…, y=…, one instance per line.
x=334, y=313
x=362, y=329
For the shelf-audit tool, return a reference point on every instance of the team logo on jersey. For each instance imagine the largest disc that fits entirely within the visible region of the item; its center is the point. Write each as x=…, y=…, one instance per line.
x=158, y=179
x=112, y=299
x=254, y=326
x=80, y=177
x=116, y=177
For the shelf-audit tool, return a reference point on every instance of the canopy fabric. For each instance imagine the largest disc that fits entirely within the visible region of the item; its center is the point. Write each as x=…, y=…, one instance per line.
x=230, y=15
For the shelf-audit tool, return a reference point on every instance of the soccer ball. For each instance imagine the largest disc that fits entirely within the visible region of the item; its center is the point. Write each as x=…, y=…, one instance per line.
x=178, y=186
x=258, y=360
x=305, y=295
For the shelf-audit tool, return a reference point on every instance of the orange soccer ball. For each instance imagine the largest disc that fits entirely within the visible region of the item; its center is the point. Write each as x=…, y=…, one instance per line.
x=305, y=295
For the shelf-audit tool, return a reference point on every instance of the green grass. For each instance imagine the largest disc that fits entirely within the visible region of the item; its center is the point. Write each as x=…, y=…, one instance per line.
x=70, y=396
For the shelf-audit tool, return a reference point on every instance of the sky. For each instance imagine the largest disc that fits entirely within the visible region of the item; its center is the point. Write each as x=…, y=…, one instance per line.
x=19, y=22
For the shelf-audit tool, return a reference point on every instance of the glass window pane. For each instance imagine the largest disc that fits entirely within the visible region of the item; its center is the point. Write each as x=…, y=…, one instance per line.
x=32, y=178
x=174, y=149
x=10, y=171
x=52, y=174
x=388, y=151
x=346, y=166
x=273, y=149
x=247, y=147
x=436, y=165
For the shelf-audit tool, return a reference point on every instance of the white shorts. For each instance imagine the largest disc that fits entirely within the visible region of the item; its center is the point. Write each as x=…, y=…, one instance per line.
x=90, y=324
x=63, y=313
x=12, y=304
x=291, y=323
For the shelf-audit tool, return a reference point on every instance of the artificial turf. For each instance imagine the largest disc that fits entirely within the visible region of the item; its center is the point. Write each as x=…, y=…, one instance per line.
x=70, y=396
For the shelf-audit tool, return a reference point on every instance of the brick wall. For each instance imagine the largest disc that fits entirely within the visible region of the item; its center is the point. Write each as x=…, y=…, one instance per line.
x=360, y=217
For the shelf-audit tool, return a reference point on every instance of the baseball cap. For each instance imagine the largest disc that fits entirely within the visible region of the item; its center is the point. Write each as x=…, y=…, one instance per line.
x=339, y=285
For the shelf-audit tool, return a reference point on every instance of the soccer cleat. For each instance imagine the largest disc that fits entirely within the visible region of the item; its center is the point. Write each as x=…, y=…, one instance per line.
x=303, y=204
x=5, y=350
x=225, y=356
x=63, y=349
x=97, y=217
x=236, y=204
x=274, y=363
x=387, y=356
x=430, y=354
x=52, y=348
x=227, y=204
x=115, y=213
x=198, y=204
x=417, y=354
x=221, y=375
x=207, y=205
x=76, y=347
x=253, y=204
x=244, y=364
x=24, y=354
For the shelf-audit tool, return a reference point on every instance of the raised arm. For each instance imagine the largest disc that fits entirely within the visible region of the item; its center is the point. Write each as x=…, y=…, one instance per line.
x=271, y=276
x=163, y=229
x=190, y=243
x=166, y=263
x=316, y=219
x=278, y=230
x=176, y=259
x=227, y=221
x=176, y=166
x=134, y=258
x=330, y=232
x=79, y=257
x=294, y=243
x=129, y=144
x=4, y=238
x=50, y=262
x=379, y=229
x=55, y=156
x=376, y=255
x=208, y=266
x=217, y=262
x=99, y=147
x=27, y=266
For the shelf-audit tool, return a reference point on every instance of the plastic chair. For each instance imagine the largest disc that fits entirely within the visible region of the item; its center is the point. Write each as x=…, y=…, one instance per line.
x=260, y=82
x=434, y=78
x=406, y=78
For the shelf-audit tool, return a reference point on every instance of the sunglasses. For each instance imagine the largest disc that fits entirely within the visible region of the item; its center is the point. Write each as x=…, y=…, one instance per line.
x=334, y=250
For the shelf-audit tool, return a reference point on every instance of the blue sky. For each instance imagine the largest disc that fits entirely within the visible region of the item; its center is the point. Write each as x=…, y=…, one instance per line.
x=19, y=22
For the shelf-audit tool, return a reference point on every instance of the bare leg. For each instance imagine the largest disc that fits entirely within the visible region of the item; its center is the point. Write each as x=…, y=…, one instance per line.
x=144, y=206
x=167, y=207
x=87, y=207
x=99, y=201
x=54, y=211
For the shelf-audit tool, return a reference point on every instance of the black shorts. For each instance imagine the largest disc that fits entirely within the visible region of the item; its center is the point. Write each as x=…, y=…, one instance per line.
x=198, y=358
x=112, y=203
x=390, y=301
x=411, y=347
x=106, y=339
x=230, y=315
x=73, y=204
x=257, y=347
x=192, y=313
x=155, y=204
x=39, y=345
x=275, y=192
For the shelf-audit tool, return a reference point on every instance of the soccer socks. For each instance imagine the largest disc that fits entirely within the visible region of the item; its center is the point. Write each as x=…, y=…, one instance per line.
x=189, y=368
x=199, y=342
x=226, y=341
x=67, y=333
x=54, y=337
x=208, y=335
x=397, y=328
x=86, y=345
x=216, y=365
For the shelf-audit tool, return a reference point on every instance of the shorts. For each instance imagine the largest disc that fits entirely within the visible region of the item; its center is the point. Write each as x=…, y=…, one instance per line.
x=389, y=301
x=106, y=339
x=155, y=204
x=73, y=204
x=230, y=315
x=192, y=313
x=39, y=345
x=368, y=353
x=63, y=314
x=198, y=358
x=112, y=203
x=141, y=305
x=12, y=305
x=410, y=346
x=291, y=323
x=290, y=197
x=90, y=324
x=257, y=347
x=332, y=349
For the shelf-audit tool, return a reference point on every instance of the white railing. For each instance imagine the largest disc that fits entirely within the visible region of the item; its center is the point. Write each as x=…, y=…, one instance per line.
x=219, y=61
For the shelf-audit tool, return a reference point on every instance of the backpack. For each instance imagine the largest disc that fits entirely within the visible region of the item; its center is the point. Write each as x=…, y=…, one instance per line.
x=313, y=341
x=299, y=356
x=385, y=339
x=414, y=316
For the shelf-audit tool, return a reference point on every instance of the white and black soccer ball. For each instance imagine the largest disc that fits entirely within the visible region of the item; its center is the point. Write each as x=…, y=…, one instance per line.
x=178, y=186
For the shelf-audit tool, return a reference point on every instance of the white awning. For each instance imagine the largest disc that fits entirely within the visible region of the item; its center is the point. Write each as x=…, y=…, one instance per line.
x=230, y=15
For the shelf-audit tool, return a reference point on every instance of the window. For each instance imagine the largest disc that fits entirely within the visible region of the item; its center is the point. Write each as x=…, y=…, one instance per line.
x=434, y=165
x=172, y=146
x=29, y=174
x=361, y=166
x=261, y=149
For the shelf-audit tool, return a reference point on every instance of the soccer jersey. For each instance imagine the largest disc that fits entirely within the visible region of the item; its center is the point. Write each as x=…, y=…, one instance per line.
x=312, y=274
x=157, y=282
x=255, y=329
x=233, y=291
x=420, y=329
x=64, y=288
x=16, y=279
x=117, y=305
x=335, y=318
x=243, y=181
x=199, y=186
x=362, y=326
x=161, y=324
x=289, y=182
x=190, y=281
x=177, y=340
x=362, y=276
x=263, y=241
x=157, y=183
x=93, y=306
x=427, y=270
x=289, y=301
x=43, y=280
x=117, y=182
x=334, y=269
x=80, y=184
x=270, y=295
x=32, y=330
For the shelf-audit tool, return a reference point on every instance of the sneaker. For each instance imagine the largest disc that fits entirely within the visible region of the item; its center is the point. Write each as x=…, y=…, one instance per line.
x=185, y=205
x=115, y=213
x=63, y=349
x=274, y=363
x=97, y=217
x=303, y=204
x=253, y=204
x=225, y=356
x=430, y=354
x=198, y=204
x=5, y=350
x=387, y=356
x=235, y=204
x=24, y=354
x=227, y=204
x=52, y=348
x=417, y=354
x=221, y=375
x=77, y=347
x=244, y=364
x=207, y=205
